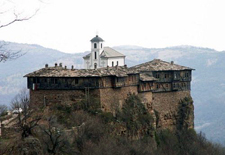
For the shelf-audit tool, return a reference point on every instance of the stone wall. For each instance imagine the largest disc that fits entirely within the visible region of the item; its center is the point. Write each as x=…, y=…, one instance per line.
x=46, y=97
x=113, y=98
x=163, y=106
x=167, y=106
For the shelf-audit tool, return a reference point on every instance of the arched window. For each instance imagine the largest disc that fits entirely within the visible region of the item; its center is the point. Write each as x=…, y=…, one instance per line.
x=95, y=55
x=112, y=63
x=95, y=45
x=95, y=65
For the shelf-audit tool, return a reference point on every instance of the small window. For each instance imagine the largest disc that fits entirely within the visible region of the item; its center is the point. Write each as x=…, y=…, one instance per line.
x=76, y=81
x=166, y=76
x=54, y=81
x=157, y=75
x=95, y=45
x=95, y=55
x=95, y=65
x=101, y=45
x=38, y=80
x=112, y=64
x=157, y=86
x=186, y=75
x=176, y=75
x=45, y=80
x=167, y=85
x=117, y=63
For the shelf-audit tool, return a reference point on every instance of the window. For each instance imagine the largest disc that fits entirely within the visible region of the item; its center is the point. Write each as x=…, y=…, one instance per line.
x=174, y=85
x=101, y=45
x=176, y=75
x=117, y=63
x=166, y=76
x=167, y=85
x=157, y=75
x=76, y=81
x=95, y=45
x=112, y=63
x=95, y=55
x=95, y=65
x=56, y=81
x=186, y=75
x=157, y=86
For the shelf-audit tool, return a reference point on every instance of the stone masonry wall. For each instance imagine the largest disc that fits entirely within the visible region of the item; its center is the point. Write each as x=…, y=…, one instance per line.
x=113, y=98
x=166, y=106
x=46, y=97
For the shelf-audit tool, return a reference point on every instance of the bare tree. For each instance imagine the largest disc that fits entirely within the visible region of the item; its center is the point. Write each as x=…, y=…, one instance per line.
x=54, y=138
x=3, y=109
x=6, y=54
x=27, y=120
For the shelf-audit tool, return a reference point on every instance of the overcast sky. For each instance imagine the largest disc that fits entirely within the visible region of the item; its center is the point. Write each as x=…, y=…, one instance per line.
x=69, y=25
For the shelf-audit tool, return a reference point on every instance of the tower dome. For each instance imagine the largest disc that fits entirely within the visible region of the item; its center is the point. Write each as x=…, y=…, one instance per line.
x=97, y=39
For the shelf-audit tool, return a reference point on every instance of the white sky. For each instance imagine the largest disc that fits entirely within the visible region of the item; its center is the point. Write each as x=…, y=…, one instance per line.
x=69, y=25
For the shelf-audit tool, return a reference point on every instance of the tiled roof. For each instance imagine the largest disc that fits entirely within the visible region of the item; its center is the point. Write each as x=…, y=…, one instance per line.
x=118, y=71
x=107, y=53
x=147, y=77
x=87, y=56
x=144, y=69
x=159, y=65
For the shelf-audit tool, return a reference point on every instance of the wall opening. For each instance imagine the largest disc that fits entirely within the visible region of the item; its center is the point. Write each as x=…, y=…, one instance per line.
x=95, y=55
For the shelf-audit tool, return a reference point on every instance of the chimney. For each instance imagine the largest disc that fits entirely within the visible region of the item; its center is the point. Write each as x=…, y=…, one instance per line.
x=172, y=62
x=46, y=65
x=65, y=67
x=125, y=66
x=60, y=64
x=55, y=64
x=72, y=68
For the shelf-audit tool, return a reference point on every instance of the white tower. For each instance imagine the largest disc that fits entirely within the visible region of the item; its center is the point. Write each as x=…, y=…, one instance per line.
x=96, y=49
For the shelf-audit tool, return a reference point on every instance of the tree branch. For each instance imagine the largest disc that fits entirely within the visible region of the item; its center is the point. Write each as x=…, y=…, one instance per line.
x=17, y=19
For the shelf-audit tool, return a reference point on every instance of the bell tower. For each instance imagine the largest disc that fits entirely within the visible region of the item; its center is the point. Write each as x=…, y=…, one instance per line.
x=96, y=49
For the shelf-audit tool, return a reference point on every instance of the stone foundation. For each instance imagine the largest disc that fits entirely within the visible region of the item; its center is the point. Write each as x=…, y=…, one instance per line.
x=163, y=106
x=112, y=99
x=167, y=106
